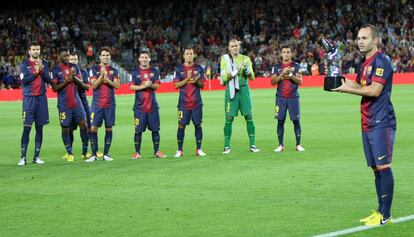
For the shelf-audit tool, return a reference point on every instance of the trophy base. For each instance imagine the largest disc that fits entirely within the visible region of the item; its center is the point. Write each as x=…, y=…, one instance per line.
x=332, y=82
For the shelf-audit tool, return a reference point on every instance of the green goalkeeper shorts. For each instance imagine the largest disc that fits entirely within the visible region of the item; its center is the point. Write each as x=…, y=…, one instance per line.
x=241, y=101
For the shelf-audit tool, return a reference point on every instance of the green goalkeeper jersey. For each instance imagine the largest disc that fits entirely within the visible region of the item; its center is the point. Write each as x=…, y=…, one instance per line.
x=239, y=60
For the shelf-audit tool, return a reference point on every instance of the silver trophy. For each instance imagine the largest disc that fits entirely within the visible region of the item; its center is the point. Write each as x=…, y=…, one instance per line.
x=333, y=78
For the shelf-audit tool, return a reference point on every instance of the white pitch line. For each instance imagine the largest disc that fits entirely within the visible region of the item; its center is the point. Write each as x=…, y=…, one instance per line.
x=362, y=228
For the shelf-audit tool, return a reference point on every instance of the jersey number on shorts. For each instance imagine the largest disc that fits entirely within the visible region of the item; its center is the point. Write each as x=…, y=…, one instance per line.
x=62, y=116
x=228, y=106
x=180, y=114
x=136, y=122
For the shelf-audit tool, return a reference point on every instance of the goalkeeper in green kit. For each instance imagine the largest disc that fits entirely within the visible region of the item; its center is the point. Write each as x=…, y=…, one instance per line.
x=235, y=69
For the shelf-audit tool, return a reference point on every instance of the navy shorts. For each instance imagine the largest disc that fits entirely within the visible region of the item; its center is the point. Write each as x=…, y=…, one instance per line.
x=284, y=104
x=68, y=116
x=87, y=113
x=142, y=120
x=99, y=114
x=35, y=109
x=378, y=146
x=196, y=115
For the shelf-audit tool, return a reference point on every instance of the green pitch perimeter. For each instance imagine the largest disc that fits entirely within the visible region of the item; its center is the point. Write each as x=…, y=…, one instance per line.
x=326, y=188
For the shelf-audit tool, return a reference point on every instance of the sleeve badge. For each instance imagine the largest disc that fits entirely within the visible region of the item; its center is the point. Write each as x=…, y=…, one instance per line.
x=379, y=72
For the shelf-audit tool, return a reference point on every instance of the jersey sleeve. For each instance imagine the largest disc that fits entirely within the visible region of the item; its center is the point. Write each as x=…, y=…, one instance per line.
x=93, y=74
x=26, y=75
x=156, y=77
x=223, y=69
x=85, y=76
x=177, y=74
x=202, y=73
x=116, y=74
x=297, y=69
x=249, y=68
x=132, y=78
x=382, y=71
x=275, y=70
x=56, y=77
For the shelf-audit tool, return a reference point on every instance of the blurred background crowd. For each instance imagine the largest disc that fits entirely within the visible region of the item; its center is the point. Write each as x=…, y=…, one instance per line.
x=164, y=28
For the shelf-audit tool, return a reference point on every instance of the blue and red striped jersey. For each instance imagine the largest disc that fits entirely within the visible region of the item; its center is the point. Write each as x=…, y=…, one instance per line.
x=68, y=96
x=287, y=88
x=190, y=96
x=145, y=100
x=103, y=95
x=34, y=84
x=377, y=112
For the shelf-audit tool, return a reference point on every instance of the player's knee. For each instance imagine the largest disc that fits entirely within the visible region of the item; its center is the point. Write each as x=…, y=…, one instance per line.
x=197, y=125
x=108, y=129
x=94, y=129
x=382, y=167
x=27, y=128
x=181, y=126
x=65, y=129
x=229, y=119
x=82, y=124
x=281, y=121
x=248, y=117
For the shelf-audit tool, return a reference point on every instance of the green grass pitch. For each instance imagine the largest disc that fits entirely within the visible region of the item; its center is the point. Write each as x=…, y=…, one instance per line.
x=326, y=188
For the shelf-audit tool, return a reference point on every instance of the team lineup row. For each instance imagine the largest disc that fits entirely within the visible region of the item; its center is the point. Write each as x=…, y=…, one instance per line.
x=71, y=83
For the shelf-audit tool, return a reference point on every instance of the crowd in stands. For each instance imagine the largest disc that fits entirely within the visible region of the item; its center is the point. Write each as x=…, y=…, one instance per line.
x=164, y=28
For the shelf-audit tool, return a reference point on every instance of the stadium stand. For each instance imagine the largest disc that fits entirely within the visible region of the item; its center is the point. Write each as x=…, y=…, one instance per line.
x=164, y=28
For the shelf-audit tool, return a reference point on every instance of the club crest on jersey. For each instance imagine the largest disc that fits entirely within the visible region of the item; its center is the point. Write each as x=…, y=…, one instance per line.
x=379, y=72
x=195, y=73
x=363, y=82
x=67, y=71
x=111, y=72
x=151, y=74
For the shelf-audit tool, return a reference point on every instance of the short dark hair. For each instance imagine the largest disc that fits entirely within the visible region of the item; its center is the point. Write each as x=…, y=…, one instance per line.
x=374, y=30
x=63, y=49
x=188, y=47
x=285, y=46
x=73, y=53
x=234, y=39
x=33, y=43
x=105, y=48
x=144, y=51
